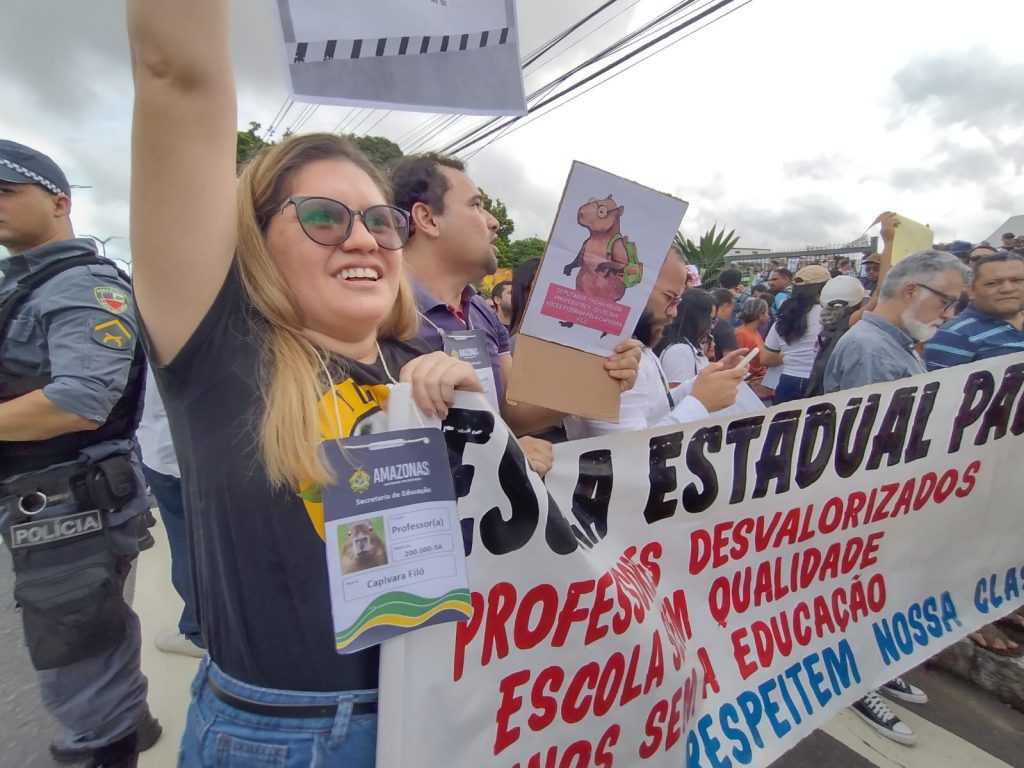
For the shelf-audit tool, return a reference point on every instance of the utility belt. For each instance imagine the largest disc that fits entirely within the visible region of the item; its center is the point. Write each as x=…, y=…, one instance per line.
x=69, y=564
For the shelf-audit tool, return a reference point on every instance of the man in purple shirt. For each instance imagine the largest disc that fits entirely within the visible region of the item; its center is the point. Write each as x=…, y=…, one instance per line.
x=452, y=247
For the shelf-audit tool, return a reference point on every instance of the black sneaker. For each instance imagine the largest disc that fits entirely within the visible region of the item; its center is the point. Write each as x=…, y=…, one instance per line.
x=123, y=753
x=146, y=732
x=900, y=689
x=876, y=713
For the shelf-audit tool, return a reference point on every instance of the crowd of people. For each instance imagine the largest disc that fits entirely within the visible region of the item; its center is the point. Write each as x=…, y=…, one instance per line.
x=275, y=306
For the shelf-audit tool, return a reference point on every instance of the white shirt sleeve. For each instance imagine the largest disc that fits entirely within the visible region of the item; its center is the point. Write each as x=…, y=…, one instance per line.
x=690, y=409
x=679, y=363
x=633, y=405
x=773, y=341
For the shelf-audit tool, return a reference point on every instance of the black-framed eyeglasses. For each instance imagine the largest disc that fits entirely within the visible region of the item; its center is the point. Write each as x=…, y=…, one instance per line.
x=328, y=222
x=950, y=301
x=673, y=300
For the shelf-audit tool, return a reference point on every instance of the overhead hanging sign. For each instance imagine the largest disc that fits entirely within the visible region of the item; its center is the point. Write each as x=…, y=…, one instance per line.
x=459, y=56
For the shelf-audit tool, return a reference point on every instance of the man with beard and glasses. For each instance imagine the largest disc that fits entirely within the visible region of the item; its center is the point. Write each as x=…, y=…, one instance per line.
x=916, y=296
x=651, y=402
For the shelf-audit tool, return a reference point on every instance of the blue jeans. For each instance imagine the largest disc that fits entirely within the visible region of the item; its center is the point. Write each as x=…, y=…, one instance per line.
x=167, y=492
x=789, y=388
x=217, y=735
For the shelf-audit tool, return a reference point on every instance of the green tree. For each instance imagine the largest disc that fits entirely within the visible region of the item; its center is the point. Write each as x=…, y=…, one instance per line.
x=519, y=251
x=381, y=151
x=248, y=144
x=506, y=226
x=709, y=253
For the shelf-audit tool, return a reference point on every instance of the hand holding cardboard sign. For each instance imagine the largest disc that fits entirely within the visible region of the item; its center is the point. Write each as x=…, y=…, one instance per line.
x=889, y=221
x=625, y=363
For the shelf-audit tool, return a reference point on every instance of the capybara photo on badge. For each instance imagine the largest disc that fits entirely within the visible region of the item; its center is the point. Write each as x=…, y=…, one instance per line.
x=362, y=545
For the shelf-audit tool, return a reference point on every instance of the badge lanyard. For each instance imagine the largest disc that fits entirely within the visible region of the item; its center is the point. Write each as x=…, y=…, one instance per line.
x=470, y=346
x=664, y=383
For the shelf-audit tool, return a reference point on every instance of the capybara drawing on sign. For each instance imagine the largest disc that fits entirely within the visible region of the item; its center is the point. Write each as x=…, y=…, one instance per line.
x=363, y=548
x=607, y=259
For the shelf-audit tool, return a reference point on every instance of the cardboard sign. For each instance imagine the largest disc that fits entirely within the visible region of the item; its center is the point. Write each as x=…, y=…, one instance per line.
x=910, y=237
x=458, y=56
x=608, y=242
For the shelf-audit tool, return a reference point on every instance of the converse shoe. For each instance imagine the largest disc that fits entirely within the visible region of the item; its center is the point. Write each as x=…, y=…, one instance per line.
x=876, y=713
x=172, y=641
x=899, y=688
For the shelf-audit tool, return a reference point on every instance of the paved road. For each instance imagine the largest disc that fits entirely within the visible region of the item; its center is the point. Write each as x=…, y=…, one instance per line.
x=961, y=727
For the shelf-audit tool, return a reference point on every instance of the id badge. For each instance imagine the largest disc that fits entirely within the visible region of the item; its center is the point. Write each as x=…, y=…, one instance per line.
x=471, y=347
x=395, y=556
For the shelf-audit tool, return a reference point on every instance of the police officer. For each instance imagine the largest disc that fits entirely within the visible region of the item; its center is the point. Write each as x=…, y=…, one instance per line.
x=71, y=381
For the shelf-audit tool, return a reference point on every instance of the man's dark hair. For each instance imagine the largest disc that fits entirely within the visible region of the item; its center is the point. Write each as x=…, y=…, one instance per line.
x=990, y=258
x=730, y=278
x=499, y=288
x=759, y=288
x=722, y=296
x=418, y=179
x=522, y=282
x=843, y=263
x=1008, y=234
x=784, y=272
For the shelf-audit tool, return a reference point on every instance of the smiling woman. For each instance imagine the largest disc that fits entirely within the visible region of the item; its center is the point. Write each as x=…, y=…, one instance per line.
x=276, y=309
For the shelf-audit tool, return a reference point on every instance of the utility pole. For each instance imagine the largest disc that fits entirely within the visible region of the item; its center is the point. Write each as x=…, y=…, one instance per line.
x=103, y=242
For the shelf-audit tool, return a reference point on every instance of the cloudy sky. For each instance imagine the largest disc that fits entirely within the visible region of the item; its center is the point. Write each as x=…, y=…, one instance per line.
x=792, y=121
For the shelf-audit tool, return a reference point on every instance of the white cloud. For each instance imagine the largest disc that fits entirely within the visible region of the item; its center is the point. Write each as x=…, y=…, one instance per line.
x=792, y=121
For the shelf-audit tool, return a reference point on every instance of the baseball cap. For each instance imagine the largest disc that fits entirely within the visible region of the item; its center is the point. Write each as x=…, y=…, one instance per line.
x=23, y=165
x=959, y=247
x=842, y=291
x=874, y=258
x=812, y=274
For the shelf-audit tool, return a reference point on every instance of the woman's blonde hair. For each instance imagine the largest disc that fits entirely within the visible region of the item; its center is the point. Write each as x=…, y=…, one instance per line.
x=292, y=376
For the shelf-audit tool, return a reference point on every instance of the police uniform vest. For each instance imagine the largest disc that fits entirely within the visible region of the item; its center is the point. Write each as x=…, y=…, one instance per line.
x=31, y=455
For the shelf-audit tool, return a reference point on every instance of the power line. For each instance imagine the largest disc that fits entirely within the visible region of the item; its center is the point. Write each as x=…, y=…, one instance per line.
x=432, y=128
x=465, y=143
x=343, y=126
x=595, y=29
x=346, y=116
x=621, y=43
x=369, y=114
x=306, y=119
x=509, y=129
x=280, y=113
x=379, y=121
x=564, y=34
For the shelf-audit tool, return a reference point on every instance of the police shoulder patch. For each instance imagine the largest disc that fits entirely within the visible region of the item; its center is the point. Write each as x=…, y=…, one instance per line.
x=113, y=334
x=112, y=298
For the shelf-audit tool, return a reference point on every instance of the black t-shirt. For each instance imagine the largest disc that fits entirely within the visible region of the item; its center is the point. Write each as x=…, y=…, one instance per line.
x=258, y=562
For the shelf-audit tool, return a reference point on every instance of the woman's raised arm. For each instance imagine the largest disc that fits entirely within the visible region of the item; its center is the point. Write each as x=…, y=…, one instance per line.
x=183, y=229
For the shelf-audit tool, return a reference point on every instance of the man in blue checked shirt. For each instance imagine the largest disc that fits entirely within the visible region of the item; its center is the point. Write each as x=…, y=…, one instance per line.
x=992, y=324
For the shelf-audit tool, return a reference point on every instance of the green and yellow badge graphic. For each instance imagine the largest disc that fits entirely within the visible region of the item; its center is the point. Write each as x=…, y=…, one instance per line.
x=348, y=409
x=359, y=481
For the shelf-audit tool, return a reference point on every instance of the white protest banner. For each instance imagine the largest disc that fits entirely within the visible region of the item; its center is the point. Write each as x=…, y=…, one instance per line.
x=709, y=595
x=457, y=56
